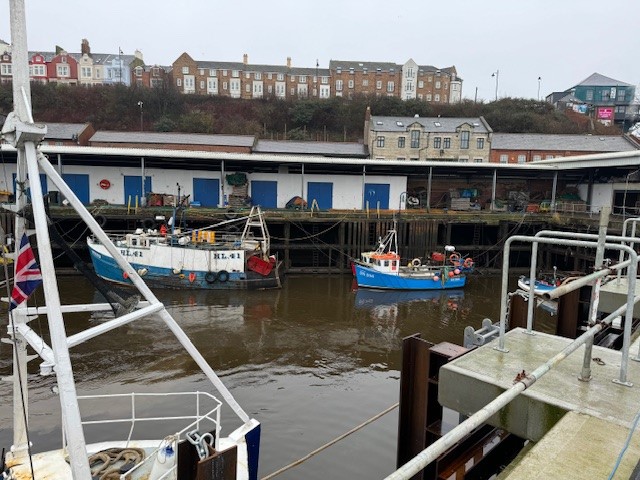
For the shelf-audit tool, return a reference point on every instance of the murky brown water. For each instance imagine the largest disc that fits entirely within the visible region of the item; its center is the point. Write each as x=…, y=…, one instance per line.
x=310, y=362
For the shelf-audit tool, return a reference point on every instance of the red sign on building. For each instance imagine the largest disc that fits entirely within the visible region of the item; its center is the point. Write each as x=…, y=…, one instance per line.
x=604, y=113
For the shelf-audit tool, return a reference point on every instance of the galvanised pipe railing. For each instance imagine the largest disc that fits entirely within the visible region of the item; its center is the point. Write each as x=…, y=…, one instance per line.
x=575, y=243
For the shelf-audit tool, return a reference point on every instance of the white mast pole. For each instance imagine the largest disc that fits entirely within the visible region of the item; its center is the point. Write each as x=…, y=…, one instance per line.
x=26, y=144
x=19, y=448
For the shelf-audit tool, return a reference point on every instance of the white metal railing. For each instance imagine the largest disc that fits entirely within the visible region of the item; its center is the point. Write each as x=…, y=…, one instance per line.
x=196, y=418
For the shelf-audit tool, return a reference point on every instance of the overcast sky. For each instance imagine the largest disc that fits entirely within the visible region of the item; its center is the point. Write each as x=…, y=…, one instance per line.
x=561, y=41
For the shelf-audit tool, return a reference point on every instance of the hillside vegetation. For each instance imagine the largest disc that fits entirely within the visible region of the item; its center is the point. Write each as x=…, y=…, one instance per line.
x=336, y=119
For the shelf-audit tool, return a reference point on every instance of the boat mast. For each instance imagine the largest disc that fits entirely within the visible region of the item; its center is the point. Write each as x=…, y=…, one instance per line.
x=20, y=130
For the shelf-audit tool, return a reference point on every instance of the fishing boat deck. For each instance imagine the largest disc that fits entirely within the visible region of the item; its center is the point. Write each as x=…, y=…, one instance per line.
x=601, y=408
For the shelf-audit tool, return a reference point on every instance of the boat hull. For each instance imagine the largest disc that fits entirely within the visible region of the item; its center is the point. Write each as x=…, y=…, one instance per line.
x=370, y=278
x=181, y=274
x=539, y=288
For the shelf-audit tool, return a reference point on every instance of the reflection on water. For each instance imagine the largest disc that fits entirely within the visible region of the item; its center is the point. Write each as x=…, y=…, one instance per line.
x=309, y=361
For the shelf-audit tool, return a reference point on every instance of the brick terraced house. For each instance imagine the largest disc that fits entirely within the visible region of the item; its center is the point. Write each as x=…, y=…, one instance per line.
x=342, y=79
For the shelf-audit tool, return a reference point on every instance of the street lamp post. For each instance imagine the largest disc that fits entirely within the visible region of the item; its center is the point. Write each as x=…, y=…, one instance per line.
x=141, y=116
x=496, y=74
x=539, y=80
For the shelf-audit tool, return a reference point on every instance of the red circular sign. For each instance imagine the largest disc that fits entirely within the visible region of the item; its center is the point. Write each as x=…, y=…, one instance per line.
x=104, y=184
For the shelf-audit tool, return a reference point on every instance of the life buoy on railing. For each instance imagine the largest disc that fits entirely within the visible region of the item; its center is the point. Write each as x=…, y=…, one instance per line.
x=455, y=258
x=223, y=276
x=416, y=262
x=104, y=184
x=210, y=277
x=468, y=262
x=192, y=277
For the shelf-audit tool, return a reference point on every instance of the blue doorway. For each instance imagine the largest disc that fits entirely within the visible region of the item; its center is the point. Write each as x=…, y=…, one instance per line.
x=377, y=194
x=206, y=191
x=79, y=184
x=264, y=193
x=322, y=193
x=133, y=188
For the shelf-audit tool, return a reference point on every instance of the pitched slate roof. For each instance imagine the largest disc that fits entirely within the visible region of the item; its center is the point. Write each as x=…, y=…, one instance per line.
x=563, y=142
x=64, y=131
x=598, y=80
x=361, y=66
x=174, y=138
x=325, y=149
x=430, y=124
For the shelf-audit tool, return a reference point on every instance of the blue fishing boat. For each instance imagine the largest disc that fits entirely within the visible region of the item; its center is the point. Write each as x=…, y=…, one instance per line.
x=383, y=269
x=208, y=259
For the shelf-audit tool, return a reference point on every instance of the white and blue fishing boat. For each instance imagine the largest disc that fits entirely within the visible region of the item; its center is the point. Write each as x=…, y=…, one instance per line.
x=547, y=281
x=211, y=258
x=383, y=269
x=132, y=435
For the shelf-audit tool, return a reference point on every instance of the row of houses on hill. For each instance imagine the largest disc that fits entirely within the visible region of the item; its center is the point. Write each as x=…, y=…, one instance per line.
x=86, y=68
x=242, y=79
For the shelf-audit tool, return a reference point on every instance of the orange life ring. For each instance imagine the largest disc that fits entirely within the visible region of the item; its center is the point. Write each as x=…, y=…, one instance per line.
x=468, y=262
x=104, y=184
x=192, y=277
x=455, y=258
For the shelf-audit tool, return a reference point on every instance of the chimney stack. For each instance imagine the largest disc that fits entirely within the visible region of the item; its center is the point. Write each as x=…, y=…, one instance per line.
x=245, y=59
x=288, y=62
x=84, y=47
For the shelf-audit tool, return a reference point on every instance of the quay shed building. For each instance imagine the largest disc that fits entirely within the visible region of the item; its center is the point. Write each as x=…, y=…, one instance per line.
x=471, y=205
x=335, y=182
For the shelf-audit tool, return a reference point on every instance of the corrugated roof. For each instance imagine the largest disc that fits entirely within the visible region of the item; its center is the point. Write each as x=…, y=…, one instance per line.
x=598, y=80
x=174, y=138
x=430, y=124
x=332, y=149
x=64, y=131
x=561, y=142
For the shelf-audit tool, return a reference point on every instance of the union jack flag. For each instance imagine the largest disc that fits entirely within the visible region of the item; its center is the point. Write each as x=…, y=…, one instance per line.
x=28, y=276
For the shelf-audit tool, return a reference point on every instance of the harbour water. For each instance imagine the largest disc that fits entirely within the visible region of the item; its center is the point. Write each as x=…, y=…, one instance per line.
x=309, y=361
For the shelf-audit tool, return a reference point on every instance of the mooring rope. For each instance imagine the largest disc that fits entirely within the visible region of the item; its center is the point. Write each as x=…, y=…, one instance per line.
x=328, y=444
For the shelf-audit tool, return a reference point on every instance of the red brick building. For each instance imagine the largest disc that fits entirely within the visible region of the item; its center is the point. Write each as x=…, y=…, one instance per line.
x=531, y=147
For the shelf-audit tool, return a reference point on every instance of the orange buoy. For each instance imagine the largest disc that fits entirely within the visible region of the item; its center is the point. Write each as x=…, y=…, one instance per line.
x=125, y=275
x=468, y=262
x=192, y=277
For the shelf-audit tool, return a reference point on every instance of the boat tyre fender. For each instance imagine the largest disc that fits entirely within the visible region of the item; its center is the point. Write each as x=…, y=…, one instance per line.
x=149, y=223
x=416, y=262
x=223, y=276
x=230, y=214
x=102, y=220
x=210, y=277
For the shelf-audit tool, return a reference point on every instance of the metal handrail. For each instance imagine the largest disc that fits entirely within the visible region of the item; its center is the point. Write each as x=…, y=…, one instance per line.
x=212, y=415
